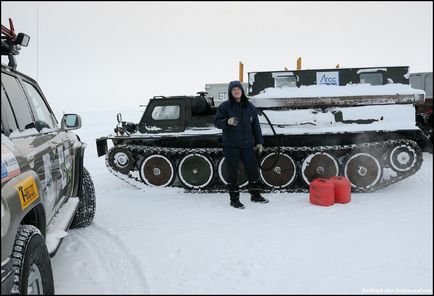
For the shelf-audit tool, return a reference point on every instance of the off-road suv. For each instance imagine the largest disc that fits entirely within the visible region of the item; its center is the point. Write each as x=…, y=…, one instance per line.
x=44, y=187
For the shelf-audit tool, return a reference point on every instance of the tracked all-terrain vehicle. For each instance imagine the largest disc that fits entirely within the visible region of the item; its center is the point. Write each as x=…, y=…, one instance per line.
x=359, y=123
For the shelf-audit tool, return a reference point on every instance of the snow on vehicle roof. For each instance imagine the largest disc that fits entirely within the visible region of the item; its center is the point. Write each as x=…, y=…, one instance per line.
x=210, y=130
x=371, y=70
x=363, y=89
x=278, y=74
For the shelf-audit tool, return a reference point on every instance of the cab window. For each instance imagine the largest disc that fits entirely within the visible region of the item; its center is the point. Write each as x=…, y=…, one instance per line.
x=371, y=78
x=166, y=112
x=43, y=117
x=18, y=102
x=285, y=81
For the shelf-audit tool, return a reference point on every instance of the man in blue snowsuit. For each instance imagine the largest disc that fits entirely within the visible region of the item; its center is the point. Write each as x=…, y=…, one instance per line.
x=242, y=135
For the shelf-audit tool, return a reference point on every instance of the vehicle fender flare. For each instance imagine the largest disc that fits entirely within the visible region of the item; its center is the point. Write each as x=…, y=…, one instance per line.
x=78, y=171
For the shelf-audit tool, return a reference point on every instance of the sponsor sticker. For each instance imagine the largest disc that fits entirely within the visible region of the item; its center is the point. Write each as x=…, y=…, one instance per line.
x=9, y=165
x=327, y=78
x=49, y=182
x=62, y=167
x=68, y=160
x=4, y=170
x=27, y=192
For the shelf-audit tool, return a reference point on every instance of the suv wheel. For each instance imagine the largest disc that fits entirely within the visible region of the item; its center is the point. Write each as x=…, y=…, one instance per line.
x=86, y=207
x=31, y=263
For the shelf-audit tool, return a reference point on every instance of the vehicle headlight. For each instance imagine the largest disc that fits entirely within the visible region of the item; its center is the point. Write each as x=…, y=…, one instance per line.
x=6, y=218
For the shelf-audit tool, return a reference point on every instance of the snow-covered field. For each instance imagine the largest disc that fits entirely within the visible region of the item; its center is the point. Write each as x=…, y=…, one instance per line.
x=167, y=241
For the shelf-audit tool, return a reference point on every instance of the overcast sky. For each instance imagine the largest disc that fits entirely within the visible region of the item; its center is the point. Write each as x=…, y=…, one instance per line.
x=108, y=55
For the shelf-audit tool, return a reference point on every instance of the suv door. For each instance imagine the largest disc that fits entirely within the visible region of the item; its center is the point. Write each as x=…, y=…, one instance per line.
x=60, y=143
x=34, y=142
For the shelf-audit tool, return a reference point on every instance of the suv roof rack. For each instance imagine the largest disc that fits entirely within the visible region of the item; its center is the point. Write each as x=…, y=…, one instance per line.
x=11, y=43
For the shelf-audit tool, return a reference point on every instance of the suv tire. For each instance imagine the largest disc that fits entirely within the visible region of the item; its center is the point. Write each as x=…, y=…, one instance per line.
x=31, y=263
x=86, y=207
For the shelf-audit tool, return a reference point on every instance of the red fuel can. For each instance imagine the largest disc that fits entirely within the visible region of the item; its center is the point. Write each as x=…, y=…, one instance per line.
x=322, y=192
x=342, y=189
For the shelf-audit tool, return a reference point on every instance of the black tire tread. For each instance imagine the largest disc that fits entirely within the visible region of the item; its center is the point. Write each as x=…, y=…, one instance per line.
x=25, y=234
x=87, y=204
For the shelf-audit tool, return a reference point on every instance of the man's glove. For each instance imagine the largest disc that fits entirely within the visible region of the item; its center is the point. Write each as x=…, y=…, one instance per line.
x=259, y=149
x=233, y=121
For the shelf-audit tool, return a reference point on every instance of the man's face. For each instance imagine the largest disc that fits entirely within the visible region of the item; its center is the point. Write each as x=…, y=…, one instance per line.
x=236, y=93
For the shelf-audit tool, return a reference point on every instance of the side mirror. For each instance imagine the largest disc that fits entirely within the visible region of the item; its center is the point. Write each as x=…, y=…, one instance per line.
x=71, y=122
x=119, y=117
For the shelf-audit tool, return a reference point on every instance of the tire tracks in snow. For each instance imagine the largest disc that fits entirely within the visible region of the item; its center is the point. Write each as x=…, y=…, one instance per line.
x=120, y=269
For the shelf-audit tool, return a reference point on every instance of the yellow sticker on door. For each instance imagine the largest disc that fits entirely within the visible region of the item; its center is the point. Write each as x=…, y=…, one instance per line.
x=27, y=191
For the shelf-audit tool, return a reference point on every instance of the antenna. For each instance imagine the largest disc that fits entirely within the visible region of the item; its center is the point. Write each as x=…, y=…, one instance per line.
x=37, y=42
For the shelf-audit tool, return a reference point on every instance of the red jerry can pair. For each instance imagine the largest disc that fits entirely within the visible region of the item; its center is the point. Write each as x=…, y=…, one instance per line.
x=325, y=192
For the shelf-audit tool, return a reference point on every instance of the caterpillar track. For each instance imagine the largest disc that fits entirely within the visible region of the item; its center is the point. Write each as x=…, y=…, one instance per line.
x=369, y=166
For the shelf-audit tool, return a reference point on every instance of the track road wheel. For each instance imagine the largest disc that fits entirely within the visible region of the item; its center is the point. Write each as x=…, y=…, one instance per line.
x=223, y=174
x=121, y=160
x=319, y=165
x=195, y=171
x=280, y=175
x=157, y=170
x=363, y=170
x=402, y=158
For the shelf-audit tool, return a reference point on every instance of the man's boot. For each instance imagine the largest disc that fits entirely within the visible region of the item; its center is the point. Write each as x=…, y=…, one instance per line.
x=235, y=200
x=256, y=196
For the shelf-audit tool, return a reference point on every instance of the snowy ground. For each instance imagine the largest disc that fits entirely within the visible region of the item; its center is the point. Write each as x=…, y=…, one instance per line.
x=166, y=241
